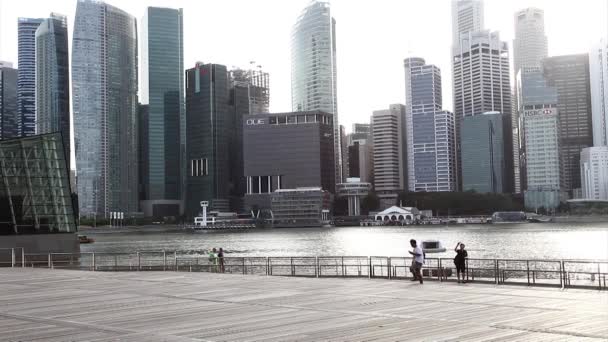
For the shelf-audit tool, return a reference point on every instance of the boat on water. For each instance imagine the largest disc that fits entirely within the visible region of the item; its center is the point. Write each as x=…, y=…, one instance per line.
x=432, y=246
x=85, y=239
x=501, y=217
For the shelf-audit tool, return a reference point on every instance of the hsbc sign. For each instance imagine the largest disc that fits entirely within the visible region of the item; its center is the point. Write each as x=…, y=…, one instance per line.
x=255, y=122
x=543, y=111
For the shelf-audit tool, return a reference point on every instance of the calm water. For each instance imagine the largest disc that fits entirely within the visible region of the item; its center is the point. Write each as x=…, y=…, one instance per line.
x=551, y=241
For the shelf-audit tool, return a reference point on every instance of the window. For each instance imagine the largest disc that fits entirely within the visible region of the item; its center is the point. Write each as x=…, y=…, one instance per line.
x=199, y=167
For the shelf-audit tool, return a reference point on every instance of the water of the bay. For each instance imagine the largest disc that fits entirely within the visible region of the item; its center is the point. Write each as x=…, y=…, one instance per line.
x=512, y=241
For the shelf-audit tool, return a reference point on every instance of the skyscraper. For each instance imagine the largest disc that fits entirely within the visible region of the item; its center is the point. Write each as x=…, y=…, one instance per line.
x=598, y=75
x=569, y=75
x=104, y=87
x=53, y=79
x=8, y=101
x=467, y=16
x=27, y=75
x=313, y=68
x=258, y=87
x=390, y=153
x=529, y=49
x=482, y=84
x=594, y=172
x=163, y=91
x=430, y=130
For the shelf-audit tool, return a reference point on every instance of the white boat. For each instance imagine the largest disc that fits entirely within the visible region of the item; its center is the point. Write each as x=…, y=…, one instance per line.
x=432, y=246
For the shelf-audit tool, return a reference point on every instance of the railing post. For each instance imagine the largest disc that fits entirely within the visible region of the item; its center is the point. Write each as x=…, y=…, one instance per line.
x=22, y=257
x=599, y=276
x=175, y=260
x=528, y=270
x=342, y=267
x=369, y=271
x=164, y=260
x=138, y=262
x=12, y=257
x=562, y=277
x=440, y=271
x=50, y=260
x=244, y=272
x=316, y=267
x=388, y=268
x=93, y=262
x=496, y=275
x=293, y=270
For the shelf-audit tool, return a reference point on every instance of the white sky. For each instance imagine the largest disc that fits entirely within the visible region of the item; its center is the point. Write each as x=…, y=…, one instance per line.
x=373, y=38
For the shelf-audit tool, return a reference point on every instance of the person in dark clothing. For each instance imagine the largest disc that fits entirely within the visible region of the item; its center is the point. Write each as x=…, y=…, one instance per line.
x=460, y=261
x=220, y=256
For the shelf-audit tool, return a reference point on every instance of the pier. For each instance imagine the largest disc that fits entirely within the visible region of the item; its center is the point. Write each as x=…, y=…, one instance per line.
x=70, y=305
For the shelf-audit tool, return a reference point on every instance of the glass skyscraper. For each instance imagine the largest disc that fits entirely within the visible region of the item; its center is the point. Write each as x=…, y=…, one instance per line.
x=27, y=75
x=162, y=89
x=52, y=79
x=104, y=86
x=313, y=68
x=8, y=101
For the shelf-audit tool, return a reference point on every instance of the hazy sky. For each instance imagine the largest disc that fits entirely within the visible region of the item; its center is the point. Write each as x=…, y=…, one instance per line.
x=373, y=38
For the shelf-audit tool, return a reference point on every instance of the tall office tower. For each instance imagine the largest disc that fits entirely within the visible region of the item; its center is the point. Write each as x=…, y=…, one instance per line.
x=482, y=84
x=467, y=16
x=344, y=152
x=26, y=91
x=104, y=88
x=360, y=161
x=594, y=172
x=483, y=157
x=540, y=134
x=162, y=89
x=598, y=75
x=529, y=49
x=53, y=79
x=240, y=107
x=9, y=114
x=142, y=152
x=313, y=68
x=569, y=75
x=431, y=140
x=258, y=83
x=209, y=135
x=390, y=153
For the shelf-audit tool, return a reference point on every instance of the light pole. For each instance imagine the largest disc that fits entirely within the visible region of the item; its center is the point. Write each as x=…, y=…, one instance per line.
x=204, y=205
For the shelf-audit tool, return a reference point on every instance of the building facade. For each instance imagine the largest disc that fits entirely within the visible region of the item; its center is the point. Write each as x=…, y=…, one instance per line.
x=258, y=87
x=360, y=153
x=26, y=28
x=598, y=76
x=304, y=160
x=594, y=172
x=301, y=207
x=105, y=106
x=389, y=153
x=430, y=134
x=483, y=155
x=482, y=84
x=162, y=89
x=314, y=70
x=53, y=79
x=467, y=16
x=569, y=75
x=9, y=112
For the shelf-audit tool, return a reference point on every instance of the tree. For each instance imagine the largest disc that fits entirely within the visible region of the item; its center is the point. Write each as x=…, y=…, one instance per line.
x=371, y=202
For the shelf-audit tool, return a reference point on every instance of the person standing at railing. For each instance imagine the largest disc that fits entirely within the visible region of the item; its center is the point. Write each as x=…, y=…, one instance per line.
x=220, y=256
x=213, y=259
x=417, y=261
x=460, y=261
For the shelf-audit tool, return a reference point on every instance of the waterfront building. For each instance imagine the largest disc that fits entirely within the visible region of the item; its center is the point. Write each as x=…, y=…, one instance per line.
x=431, y=144
x=389, y=153
x=314, y=70
x=26, y=88
x=594, y=172
x=483, y=158
x=52, y=92
x=300, y=207
x=598, y=76
x=9, y=113
x=467, y=16
x=354, y=190
x=37, y=211
x=162, y=90
x=304, y=159
x=482, y=84
x=258, y=87
x=530, y=47
x=569, y=75
x=105, y=106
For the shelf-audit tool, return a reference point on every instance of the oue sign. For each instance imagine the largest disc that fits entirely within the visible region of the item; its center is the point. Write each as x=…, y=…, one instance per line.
x=255, y=122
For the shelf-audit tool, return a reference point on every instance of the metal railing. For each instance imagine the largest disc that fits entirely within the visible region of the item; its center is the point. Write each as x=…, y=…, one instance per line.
x=589, y=274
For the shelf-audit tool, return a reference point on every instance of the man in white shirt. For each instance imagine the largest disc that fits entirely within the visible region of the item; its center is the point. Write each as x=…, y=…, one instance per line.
x=417, y=261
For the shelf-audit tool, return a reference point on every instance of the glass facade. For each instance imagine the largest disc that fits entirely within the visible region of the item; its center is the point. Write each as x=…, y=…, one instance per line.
x=52, y=79
x=299, y=207
x=313, y=68
x=162, y=90
x=104, y=86
x=35, y=192
x=9, y=114
x=27, y=75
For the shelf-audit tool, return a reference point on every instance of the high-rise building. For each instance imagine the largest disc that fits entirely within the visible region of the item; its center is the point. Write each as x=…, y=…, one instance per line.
x=482, y=84
x=162, y=90
x=9, y=114
x=594, y=172
x=569, y=75
x=430, y=130
x=344, y=152
x=390, y=153
x=467, y=16
x=598, y=75
x=53, y=79
x=258, y=87
x=530, y=47
x=313, y=68
x=27, y=75
x=360, y=149
x=105, y=106
x=483, y=154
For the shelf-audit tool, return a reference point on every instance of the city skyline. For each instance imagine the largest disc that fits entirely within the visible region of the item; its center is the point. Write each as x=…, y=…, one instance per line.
x=271, y=46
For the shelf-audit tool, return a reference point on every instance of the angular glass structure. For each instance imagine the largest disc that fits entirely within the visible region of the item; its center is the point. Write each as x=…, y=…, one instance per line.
x=35, y=193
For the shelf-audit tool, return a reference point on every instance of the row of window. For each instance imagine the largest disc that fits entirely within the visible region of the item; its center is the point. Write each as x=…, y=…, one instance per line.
x=199, y=167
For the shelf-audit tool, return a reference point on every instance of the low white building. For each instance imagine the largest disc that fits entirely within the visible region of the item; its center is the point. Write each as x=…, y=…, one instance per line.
x=594, y=172
x=398, y=214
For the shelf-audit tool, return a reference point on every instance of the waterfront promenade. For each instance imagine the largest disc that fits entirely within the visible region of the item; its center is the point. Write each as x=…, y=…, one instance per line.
x=69, y=305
